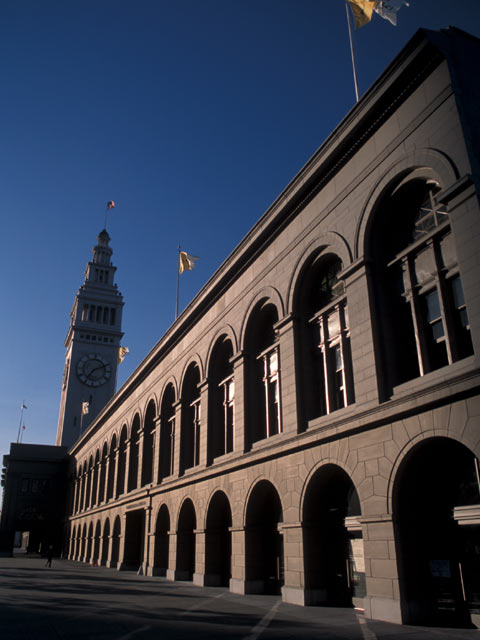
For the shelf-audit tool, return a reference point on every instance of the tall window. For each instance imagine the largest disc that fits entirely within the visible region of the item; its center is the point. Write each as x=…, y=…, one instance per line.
x=327, y=372
x=134, y=454
x=167, y=433
x=190, y=434
x=420, y=296
x=221, y=395
x=263, y=374
x=148, y=443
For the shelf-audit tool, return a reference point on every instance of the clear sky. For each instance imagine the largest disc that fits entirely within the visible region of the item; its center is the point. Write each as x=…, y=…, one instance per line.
x=192, y=115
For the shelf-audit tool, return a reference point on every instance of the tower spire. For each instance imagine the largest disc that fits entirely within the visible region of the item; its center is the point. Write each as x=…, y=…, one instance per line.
x=92, y=344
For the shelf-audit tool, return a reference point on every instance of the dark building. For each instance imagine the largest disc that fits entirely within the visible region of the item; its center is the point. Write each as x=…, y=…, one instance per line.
x=35, y=488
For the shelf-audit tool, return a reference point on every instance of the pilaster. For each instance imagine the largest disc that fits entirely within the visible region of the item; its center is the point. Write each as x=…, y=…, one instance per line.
x=238, y=403
x=203, y=435
x=293, y=590
x=172, y=555
x=237, y=581
x=383, y=595
x=285, y=329
x=176, y=438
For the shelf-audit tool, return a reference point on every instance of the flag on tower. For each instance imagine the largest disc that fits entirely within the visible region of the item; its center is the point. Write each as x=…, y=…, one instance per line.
x=122, y=352
x=24, y=406
x=110, y=204
x=186, y=261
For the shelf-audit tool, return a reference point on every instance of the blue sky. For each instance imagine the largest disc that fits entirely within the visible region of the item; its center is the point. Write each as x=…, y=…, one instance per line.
x=192, y=115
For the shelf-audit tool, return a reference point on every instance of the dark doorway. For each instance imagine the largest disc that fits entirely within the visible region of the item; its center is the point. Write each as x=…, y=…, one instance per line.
x=134, y=540
x=105, y=542
x=115, y=543
x=160, y=563
x=263, y=542
x=218, y=541
x=333, y=545
x=435, y=554
x=187, y=523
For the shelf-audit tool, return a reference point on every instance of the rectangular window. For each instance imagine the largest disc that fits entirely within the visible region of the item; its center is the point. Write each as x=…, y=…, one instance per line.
x=271, y=391
x=435, y=332
x=463, y=340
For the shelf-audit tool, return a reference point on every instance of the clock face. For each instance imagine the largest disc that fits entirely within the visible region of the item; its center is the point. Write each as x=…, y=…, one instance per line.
x=93, y=370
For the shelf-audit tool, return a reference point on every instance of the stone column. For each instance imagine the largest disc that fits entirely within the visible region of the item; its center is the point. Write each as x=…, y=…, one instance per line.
x=103, y=492
x=150, y=569
x=115, y=477
x=293, y=590
x=288, y=383
x=156, y=451
x=83, y=491
x=97, y=467
x=75, y=496
x=176, y=437
x=203, y=386
x=121, y=547
x=141, y=437
x=365, y=367
x=172, y=555
x=128, y=444
x=147, y=562
x=237, y=581
x=238, y=403
x=199, y=574
x=110, y=550
x=383, y=595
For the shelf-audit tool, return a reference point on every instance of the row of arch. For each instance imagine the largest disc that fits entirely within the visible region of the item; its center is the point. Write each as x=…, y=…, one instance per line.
x=100, y=542
x=436, y=477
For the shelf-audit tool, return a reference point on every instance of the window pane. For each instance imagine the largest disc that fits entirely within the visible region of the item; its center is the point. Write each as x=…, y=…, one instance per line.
x=437, y=330
x=273, y=362
x=433, y=306
x=457, y=291
x=333, y=324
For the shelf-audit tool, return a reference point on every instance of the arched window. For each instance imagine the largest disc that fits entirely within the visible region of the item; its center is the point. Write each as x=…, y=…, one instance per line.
x=221, y=393
x=190, y=435
x=263, y=377
x=122, y=462
x=134, y=454
x=167, y=433
x=111, y=468
x=327, y=379
x=148, y=443
x=420, y=301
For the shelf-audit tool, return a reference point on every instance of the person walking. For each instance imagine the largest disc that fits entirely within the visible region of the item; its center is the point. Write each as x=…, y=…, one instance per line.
x=49, y=556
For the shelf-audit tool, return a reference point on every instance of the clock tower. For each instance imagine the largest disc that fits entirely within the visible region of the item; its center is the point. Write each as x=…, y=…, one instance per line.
x=92, y=343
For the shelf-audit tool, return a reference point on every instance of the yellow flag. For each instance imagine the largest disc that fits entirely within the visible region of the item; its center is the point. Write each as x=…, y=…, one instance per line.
x=186, y=261
x=362, y=11
x=122, y=352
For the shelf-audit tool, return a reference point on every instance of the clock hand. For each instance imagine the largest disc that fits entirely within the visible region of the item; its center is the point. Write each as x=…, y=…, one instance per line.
x=96, y=369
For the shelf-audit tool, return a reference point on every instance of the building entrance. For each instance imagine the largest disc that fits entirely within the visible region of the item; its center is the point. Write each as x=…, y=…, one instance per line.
x=436, y=494
x=134, y=540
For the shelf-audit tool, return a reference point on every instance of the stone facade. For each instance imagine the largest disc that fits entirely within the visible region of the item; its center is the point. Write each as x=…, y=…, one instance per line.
x=310, y=424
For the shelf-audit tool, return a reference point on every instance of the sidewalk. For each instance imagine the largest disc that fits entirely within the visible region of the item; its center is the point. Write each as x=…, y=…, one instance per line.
x=73, y=601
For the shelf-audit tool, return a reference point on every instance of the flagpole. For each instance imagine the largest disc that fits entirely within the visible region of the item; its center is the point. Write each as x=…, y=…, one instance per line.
x=178, y=282
x=352, y=50
x=21, y=420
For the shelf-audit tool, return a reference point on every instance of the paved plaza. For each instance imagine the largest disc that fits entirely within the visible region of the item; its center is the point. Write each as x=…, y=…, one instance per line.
x=78, y=602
